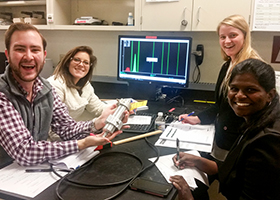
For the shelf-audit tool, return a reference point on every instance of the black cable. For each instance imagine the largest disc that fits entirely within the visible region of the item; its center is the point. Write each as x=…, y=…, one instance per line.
x=197, y=79
x=152, y=164
x=174, y=98
x=107, y=184
x=129, y=180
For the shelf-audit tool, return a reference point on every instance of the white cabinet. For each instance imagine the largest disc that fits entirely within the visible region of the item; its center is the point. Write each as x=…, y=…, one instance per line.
x=166, y=16
x=201, y=15
x=19, y=8
x=207, y=14
x=181, y=15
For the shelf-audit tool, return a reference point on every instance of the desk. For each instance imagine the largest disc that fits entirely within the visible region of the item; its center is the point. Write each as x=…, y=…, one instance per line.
x=139, y=148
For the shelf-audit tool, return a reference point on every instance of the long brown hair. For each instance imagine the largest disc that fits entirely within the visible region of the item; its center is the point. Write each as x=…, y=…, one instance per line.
x=62, y=69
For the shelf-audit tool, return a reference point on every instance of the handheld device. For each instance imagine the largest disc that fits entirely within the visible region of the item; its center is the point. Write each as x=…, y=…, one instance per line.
x=114, y=121
x=151, y=187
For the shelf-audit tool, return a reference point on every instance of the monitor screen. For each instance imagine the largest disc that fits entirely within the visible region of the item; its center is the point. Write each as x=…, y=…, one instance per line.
x=161, y=60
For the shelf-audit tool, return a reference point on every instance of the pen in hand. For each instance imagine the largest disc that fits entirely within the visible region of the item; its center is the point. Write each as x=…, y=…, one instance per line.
x=178, y=151
x=190, y=114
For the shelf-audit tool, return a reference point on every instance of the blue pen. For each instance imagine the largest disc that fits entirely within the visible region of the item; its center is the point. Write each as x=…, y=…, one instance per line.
x=191, y=113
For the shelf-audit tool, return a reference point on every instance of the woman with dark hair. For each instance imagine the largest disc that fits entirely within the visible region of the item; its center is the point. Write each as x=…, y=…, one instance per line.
x=252, y=167
x=71, y=80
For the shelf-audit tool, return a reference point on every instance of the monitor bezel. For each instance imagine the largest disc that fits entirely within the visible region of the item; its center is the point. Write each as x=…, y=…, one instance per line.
x=156, y=82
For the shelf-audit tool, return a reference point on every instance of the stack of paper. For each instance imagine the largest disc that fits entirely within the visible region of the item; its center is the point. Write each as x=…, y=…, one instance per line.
x=194, y=137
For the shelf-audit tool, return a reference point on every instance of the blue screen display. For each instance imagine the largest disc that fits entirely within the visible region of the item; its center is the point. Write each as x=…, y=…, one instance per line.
x=162, y=60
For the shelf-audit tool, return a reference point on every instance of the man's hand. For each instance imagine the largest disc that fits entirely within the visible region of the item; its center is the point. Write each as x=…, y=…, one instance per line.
x=96, y=140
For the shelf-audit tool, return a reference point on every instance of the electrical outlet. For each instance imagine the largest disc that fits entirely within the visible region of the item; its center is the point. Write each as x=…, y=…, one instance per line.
x=50, y=18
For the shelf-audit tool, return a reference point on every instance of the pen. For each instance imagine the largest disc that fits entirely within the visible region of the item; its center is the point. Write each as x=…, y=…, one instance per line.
x=47, y=170
x=178, y=149
x=191, y=113
x=38, y=170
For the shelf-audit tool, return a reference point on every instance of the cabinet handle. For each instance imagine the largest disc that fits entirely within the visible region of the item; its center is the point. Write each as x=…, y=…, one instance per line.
x=198, y=14
x=184, y=22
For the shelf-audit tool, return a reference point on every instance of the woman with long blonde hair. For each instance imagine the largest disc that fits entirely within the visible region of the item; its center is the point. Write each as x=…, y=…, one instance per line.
x=235, y=42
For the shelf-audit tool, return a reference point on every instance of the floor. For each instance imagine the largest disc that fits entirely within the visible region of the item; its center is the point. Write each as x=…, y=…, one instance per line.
x=213, y=192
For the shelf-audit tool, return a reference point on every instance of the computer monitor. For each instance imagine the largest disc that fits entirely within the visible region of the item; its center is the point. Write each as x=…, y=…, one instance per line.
x=165, y=60
x=158, y=60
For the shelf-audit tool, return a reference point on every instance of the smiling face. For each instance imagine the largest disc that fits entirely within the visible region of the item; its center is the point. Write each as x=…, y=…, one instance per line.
x=26, y=56
x=246, y=96
x=79, y=66
x=231, y=40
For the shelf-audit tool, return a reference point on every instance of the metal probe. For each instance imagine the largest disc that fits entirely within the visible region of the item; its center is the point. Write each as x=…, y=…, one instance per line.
x=114, y=121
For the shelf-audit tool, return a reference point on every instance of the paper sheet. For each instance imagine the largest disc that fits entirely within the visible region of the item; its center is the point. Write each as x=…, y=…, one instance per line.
x=183, y=145
x=166, y=166
x=16, y=182
x=139, y=119
x=194, y=137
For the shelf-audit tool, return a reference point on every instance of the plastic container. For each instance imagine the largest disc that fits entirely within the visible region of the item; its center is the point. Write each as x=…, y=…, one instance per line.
x=130, y=19
x=160, y=122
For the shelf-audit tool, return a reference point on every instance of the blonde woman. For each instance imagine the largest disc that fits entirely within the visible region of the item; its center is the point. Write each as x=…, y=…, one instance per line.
x=235, y=42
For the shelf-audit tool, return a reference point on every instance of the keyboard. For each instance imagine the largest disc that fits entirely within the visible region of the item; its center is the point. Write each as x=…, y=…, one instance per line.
x=142, y=128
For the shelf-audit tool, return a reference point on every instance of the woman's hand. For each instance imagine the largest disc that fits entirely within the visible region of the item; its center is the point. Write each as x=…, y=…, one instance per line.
x=185, y=160
x=184, y=191
x=189, y=119
x=188, y=160
x=101, y=120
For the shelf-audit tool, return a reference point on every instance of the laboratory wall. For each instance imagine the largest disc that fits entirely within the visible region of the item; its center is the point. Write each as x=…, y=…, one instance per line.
x=105, y=46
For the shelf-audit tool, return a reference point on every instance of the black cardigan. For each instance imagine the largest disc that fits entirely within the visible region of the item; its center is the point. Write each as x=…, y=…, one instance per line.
x=252, y=168
x=226, y=122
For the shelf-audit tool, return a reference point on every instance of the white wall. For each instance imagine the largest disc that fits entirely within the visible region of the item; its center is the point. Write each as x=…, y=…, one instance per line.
x=105, y=46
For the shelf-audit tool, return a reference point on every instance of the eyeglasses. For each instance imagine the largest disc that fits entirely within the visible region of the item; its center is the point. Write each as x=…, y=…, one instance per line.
x=78, y=61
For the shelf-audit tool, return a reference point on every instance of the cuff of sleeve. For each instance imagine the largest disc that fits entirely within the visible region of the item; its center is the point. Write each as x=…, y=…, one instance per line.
x=93, y=129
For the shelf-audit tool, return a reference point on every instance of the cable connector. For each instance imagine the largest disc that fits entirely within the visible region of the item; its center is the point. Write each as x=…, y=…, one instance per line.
x=199, y=54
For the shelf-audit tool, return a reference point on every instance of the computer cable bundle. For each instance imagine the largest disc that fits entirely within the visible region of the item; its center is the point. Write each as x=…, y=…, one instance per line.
x=173, y=99
x=87, y=185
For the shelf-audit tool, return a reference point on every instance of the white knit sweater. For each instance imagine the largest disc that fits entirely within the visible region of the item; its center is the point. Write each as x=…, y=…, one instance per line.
x=81, y=108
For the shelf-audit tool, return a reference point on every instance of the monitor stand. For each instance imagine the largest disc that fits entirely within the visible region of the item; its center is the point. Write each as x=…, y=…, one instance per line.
x=144, y=91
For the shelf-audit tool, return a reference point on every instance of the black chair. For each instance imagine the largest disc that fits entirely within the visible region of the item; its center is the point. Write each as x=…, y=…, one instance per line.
x=3, y=62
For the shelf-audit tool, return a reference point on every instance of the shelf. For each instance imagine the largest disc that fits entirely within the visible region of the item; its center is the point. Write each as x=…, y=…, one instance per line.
x=22, y=3
x=93, y=27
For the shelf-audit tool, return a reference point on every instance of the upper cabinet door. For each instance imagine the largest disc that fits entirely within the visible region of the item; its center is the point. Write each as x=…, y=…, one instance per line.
x=208, y=14
x=166, y=16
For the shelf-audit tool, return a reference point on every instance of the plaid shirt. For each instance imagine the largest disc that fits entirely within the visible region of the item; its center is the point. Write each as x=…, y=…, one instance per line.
x=19, y=143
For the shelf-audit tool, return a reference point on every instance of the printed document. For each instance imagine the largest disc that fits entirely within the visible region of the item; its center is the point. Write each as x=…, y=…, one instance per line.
x=194, y=137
